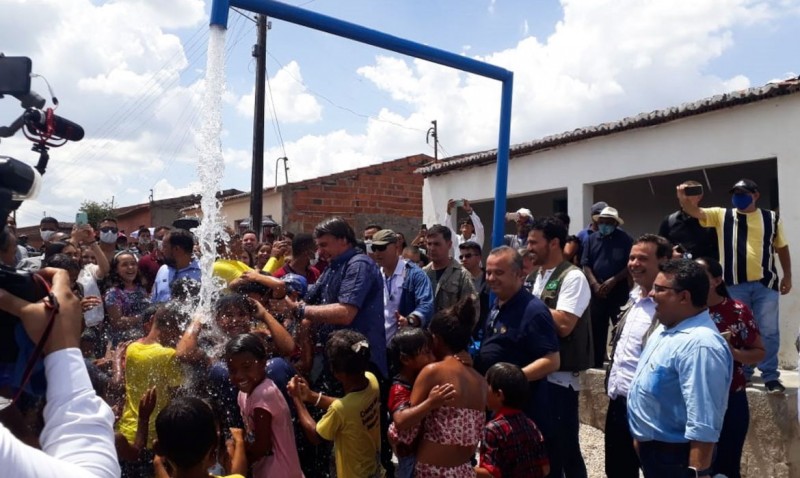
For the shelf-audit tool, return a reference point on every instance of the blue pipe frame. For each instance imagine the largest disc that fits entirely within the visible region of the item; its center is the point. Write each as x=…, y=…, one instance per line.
x=334, y=26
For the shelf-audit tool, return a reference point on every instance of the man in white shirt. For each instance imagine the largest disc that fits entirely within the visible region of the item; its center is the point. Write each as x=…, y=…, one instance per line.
x=628, y=339
x=78, y=436
x=565, y=291
x=469, y=228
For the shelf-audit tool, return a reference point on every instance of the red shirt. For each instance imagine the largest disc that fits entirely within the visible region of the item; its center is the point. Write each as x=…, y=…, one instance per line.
x=311, y=276
x=737, y=318
x=149, y=266
x=512, y=446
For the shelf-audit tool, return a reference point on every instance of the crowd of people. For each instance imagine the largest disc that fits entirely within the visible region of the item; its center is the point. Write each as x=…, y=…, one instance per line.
x=328, y=354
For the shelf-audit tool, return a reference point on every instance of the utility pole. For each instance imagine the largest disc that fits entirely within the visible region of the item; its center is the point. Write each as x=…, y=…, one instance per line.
x=257, y=180
x=433, y=132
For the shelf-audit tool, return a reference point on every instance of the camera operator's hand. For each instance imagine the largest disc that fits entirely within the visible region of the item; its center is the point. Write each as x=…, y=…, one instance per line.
x=34, y=316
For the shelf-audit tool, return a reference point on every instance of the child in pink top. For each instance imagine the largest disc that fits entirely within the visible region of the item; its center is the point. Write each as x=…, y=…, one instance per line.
x=270, y=443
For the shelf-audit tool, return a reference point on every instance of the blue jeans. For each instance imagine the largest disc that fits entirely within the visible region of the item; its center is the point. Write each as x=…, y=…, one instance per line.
x=763, y=301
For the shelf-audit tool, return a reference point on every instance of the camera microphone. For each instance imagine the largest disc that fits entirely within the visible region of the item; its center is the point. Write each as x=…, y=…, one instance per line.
x=62, y=127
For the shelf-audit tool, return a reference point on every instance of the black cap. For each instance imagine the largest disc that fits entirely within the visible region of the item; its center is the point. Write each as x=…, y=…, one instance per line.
x=747, y=184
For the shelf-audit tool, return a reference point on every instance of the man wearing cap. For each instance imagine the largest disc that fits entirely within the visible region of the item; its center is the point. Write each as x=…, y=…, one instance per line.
x=749, y=237
x=590, y=228
x=605, y=263
x=523, y=219
x=469, y=228
x=407, y=292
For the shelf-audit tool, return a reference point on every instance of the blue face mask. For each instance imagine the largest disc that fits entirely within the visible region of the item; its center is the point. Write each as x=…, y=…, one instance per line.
x=741, y=201
x=605, y=229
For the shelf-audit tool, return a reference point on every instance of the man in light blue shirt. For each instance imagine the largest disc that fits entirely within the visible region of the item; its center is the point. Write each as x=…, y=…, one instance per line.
x=678, y=397
x=178, y=263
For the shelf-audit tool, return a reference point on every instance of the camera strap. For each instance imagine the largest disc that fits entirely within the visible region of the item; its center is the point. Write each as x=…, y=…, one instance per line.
x=51, y=304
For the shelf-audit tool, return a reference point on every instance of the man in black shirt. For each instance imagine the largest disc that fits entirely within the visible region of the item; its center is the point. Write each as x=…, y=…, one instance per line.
x=683, y=230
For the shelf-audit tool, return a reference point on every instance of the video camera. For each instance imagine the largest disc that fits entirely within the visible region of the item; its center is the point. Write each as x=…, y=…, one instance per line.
x=20, y=181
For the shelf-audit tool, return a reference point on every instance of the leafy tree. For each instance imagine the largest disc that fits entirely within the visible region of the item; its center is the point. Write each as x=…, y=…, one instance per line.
x=97, y=211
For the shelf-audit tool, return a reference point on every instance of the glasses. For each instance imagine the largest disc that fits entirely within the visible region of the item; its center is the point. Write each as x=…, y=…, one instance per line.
x=662, y=288
x=109, y=229
x=379, y=247
x=466, y=256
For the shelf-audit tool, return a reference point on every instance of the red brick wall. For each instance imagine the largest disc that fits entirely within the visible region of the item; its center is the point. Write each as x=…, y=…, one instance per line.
x=389, y=194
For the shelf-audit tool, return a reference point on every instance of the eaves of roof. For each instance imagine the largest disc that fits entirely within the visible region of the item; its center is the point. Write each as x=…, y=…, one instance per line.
x=643, y=120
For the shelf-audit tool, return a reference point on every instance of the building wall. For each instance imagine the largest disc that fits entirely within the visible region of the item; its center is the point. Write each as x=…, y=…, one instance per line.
x=730, y=137
x=388, y=194
x=131, y=222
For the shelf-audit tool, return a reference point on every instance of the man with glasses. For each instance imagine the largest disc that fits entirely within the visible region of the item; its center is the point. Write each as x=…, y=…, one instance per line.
x=679, y=393
x=407, y=292
x=470, y=257
x=109, y=233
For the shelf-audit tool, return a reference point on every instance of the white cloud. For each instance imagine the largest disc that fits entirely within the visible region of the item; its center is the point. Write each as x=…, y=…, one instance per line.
x=164, y=189
x=292, y=103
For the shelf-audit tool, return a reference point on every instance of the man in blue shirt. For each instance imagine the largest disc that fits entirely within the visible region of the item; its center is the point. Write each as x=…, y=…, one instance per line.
x=605, y=263
x=348, y=294
x=178, y=263
x=520, y=330
x=679, y=393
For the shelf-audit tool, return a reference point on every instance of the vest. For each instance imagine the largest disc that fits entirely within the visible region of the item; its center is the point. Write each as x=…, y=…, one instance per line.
x=576, y=348
x=616, y=334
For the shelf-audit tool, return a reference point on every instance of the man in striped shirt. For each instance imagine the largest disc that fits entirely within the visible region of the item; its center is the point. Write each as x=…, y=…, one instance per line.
x=749, y=237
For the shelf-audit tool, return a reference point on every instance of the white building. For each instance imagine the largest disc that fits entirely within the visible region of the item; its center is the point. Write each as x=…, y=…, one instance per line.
x=634, y=165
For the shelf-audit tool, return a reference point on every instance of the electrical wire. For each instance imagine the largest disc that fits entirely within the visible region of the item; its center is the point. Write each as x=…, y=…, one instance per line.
x=343, y=108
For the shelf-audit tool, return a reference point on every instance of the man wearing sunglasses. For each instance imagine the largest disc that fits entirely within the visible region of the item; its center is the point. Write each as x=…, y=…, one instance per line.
x=679, y=393
x=407, y=292
x=109, y=232
x=470, y=254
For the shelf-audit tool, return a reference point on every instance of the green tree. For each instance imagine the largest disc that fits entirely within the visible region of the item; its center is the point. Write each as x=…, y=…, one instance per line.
x=97, y=211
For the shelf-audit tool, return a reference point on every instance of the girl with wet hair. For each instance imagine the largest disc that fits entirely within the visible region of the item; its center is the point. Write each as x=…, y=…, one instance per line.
x=270, y=441
x=352, y=422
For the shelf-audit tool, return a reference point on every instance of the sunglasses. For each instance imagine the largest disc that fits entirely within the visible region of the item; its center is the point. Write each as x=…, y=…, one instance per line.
x=379, y=247
x=109, y=229
x=466, y=256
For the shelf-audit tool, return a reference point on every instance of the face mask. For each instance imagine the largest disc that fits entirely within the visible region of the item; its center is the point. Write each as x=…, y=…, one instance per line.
x=159, y=244
x=108, y=237
x=741, y=201
x=143, y=241
x=315, y=259
x=46, y=235
x=605, y=229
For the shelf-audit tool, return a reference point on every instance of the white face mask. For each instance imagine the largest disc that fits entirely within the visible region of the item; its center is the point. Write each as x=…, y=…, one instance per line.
x=46, y=235
x=144, y=241
x=108, y=237
x=314, y=261
x=159, y=244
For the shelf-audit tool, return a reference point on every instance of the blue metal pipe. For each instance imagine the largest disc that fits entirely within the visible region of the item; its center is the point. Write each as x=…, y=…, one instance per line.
x=219, y=13
x=362, y=34
x=503, y=148
x=299, y=16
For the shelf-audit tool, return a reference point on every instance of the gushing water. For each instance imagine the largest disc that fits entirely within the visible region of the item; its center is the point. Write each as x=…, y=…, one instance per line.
x=210, y=169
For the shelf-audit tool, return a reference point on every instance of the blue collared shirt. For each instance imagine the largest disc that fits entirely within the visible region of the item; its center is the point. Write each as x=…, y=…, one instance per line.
x=606, y=255
x=353, y=278
x=167, y=275
x=680, y=390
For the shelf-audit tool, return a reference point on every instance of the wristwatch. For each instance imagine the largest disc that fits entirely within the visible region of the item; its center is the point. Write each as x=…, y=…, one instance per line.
x=413, y=321
x=693, y=472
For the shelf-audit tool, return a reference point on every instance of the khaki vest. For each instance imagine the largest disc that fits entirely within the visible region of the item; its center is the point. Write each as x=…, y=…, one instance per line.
x=576, y=348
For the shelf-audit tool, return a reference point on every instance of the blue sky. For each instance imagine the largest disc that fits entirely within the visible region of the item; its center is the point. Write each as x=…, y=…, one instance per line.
x=130, y=71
